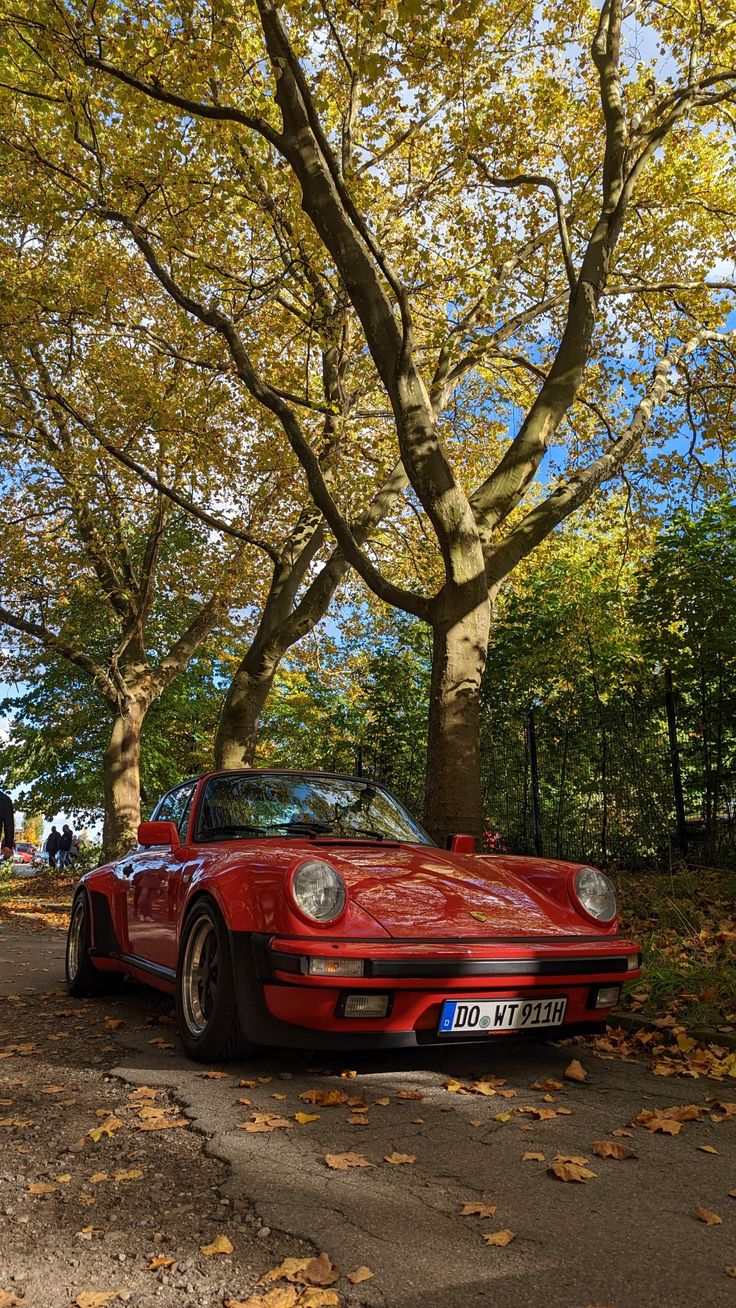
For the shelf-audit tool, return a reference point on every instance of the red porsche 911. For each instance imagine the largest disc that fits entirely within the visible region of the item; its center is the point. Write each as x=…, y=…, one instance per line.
x=307, y=909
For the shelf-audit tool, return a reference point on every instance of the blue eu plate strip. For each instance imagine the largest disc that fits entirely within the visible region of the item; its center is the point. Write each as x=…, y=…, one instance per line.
x=447, y=1015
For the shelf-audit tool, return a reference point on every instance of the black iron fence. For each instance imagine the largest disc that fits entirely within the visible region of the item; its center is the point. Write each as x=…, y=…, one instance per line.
x=626, y=780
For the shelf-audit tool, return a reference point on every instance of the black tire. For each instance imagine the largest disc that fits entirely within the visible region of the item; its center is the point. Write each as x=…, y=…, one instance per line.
x=83, y=979
x=206, y=1003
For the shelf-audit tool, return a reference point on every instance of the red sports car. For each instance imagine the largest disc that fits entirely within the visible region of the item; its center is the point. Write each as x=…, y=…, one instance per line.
x=308, y=909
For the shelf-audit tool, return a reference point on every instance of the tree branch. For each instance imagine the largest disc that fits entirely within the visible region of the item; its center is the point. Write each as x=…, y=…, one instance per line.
x=51, y=641
x=548, y=183
x=541, y=520
x=210, y=519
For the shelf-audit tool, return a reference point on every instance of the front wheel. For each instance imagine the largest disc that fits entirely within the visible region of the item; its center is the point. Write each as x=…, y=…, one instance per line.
x=206, y=1006
x=83, y=979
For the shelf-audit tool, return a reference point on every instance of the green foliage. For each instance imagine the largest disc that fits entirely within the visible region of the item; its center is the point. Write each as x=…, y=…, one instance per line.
x=60, y=729
x=360, y=700
x=686, y=607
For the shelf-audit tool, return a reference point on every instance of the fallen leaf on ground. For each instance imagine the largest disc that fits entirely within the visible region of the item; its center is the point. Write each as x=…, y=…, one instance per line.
x=341, y=1162
x=316, y=1298
x=477, y=1210
x=96, y=1298
x=707, y=1149
x=8, y=1300
x=280, y=1297
x=612, y=1149
x=397, y=1158
x=128, y=1174
x=705, y=1215
x=359, y=1275
x=41, y=1187
x=730, y=1271
x=456, y=1087
x=500, y=1238
x=575, y=1071
x=265, y=1123
x=532, y=1158
x=160, y=1043
x=161, y=1260
x=288, y=1270
x=570, y=1172
x=54, y=1089
x=153, y=1118
x=384, y=1103
x=303, y=1118
x=113, y=1023
x=220, y=1245
x=248, y=1084
x=64, y=1177
x=325, y=1098
x=357, y=1120
x=659, y=1122
x=320, y=1271
x=105, y=1128
x=621, y=1131
x=410, y=1094
x=214, y=1076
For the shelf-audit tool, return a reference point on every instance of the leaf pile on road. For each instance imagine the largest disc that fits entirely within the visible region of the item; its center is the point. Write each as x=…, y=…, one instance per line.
x=668, y=1049
x=301, y=1283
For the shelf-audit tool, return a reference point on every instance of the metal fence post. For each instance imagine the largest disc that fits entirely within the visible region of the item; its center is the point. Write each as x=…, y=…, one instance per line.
x=669, y=699
x=534, y=771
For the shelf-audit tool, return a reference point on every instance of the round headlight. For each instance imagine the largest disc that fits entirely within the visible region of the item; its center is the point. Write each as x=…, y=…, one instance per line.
x=318, y=891
x=596, y=894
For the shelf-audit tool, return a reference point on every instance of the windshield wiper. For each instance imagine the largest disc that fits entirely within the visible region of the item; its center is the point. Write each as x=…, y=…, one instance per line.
x=241, y=829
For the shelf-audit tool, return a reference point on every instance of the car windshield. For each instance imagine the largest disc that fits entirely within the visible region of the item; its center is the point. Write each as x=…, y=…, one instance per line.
x=246, y=806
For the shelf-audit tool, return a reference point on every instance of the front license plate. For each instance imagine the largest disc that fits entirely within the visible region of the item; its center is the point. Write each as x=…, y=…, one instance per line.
x=485, y=1016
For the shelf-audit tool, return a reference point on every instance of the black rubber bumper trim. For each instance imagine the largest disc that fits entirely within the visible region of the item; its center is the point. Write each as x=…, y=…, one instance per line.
x=408, y=967
x=252, y=967
x=140, y=964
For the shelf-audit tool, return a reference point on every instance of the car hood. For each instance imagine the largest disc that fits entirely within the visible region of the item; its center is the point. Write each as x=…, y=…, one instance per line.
x=417, y=891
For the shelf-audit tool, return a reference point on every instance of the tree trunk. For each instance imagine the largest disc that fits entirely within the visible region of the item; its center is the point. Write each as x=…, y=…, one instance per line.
x=453, y=801
x=122, y=781
x=237, y=729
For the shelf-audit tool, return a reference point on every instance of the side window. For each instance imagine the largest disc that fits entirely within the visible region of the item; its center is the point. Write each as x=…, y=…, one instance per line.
x=175, y=806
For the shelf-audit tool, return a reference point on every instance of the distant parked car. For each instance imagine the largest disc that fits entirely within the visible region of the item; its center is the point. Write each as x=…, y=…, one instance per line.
x=24, y=852
x=306, y=909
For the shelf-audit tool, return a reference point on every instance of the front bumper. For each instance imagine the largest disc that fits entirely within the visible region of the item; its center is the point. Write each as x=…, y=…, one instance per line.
x=281, y=1004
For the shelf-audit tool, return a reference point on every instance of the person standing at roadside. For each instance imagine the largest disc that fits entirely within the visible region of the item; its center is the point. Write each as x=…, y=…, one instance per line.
x=53, y=844
x=65, y=845
x=7, y=825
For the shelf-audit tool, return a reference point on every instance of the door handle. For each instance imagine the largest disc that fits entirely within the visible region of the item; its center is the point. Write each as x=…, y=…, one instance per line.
x=128, y=870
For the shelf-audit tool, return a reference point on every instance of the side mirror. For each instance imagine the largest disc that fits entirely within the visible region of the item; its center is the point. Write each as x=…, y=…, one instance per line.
x=462, y=845
x=159, y=833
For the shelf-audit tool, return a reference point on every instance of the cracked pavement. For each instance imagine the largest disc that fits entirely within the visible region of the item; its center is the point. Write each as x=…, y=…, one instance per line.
x=628, y=1238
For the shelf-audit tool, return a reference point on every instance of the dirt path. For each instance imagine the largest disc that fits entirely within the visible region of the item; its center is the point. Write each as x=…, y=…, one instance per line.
x=628, y=1237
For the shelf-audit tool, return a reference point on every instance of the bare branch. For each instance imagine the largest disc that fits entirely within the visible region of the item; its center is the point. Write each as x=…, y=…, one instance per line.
x=548, y=183
x=210, y=519
x=544, y=517
x=57, y=645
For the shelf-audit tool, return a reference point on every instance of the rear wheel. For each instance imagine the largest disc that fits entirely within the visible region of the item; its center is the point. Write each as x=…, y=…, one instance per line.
x=206, y=1005
x=83, y=979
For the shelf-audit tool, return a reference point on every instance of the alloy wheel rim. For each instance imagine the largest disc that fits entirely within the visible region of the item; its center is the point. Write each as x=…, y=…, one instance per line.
x=75, y=940
x=200, y=976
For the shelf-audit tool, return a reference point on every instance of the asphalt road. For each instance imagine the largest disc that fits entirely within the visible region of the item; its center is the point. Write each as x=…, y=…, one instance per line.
x=626, y=1238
